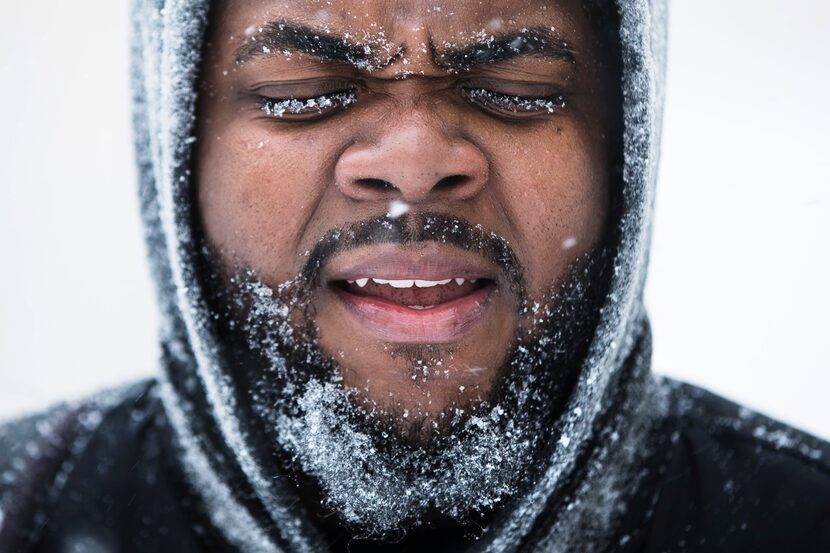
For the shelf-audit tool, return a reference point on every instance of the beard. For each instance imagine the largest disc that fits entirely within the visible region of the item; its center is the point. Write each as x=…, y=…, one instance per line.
x=378, y=468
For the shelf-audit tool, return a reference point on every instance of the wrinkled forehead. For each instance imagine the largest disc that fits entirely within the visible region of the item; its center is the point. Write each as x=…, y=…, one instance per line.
x=409, y=24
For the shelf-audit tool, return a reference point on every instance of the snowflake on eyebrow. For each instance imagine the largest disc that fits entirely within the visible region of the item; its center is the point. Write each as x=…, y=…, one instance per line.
x=371, y=52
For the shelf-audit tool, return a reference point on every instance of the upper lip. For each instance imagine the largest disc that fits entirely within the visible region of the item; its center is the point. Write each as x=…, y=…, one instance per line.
x=430, y=261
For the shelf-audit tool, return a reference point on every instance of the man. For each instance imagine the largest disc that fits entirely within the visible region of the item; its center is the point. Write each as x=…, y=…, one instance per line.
x=400, y=250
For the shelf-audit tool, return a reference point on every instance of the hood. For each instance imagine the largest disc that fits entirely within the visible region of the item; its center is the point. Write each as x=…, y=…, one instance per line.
x=594, y=467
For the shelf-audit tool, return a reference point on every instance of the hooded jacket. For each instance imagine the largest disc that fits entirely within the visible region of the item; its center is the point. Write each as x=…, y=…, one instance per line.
x=641, y=463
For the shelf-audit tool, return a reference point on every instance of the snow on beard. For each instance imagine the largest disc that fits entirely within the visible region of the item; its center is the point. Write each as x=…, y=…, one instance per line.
x=371, y=469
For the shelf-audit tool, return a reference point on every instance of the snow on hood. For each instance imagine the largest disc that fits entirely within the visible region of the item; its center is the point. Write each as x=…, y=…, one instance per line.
x=593, y=468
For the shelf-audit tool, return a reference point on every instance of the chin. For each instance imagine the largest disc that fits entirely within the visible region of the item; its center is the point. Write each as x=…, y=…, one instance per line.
x=422, y=380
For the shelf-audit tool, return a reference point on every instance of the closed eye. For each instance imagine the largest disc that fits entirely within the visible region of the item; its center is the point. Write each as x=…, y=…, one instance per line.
x=308, y=108
x=513, y=105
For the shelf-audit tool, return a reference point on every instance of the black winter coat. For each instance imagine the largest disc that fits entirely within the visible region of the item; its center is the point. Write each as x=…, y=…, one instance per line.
x=724, y=479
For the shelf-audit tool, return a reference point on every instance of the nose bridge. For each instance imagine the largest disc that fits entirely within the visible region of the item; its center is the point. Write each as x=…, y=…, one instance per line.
x=416, y=156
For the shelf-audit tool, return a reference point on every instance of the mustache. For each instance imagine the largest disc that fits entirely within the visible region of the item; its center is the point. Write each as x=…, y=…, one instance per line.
x=412, y=229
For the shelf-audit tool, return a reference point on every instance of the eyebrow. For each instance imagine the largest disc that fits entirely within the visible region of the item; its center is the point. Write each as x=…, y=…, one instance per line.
x=536, y=41
x=278, y=36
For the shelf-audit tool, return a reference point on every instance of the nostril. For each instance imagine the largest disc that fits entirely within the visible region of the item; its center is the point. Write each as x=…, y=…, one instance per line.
x=452, y=181
x=375, y=184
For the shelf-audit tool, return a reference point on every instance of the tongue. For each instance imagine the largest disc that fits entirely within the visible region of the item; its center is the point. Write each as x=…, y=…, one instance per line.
x=415, y=296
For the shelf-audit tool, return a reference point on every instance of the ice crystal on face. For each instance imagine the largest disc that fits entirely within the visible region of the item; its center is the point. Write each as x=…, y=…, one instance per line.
x=377, y=491
x=292, y=106
x=514, y=104
x=367, y=51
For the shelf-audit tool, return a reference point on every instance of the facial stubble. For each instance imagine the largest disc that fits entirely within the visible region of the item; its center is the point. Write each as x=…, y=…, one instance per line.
x=379, y=467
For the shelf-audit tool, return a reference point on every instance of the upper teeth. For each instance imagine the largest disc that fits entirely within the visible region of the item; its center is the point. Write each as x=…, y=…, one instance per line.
x=409, y=283
x=431, y=283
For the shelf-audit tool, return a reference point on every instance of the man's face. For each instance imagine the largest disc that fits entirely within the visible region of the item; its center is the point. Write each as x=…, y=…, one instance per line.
x=317, y=116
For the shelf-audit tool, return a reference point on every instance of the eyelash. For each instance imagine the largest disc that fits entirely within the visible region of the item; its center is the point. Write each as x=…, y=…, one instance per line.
x=513, y=104
x=487, y=99
x=280, y=107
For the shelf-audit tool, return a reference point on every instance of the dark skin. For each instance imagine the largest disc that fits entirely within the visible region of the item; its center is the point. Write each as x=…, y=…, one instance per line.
x=526, y=158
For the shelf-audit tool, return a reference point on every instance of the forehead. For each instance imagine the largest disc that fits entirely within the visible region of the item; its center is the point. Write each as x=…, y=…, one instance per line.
x=397, y=19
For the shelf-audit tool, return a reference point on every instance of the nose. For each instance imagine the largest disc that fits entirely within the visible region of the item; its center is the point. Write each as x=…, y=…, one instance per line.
x=414, y=161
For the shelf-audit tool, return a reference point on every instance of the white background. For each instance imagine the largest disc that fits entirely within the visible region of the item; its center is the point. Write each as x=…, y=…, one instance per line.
x=738, y=290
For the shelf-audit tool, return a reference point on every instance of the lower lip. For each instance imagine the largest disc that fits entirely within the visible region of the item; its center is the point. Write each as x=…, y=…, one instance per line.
x=442, y=324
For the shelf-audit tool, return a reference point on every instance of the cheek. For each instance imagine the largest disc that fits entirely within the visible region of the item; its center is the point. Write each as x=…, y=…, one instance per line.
x=257, y=192
x=555, y=192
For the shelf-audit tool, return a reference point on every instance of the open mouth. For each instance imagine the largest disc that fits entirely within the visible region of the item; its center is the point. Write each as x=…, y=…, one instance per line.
x=405, y=298
x=416, y=294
